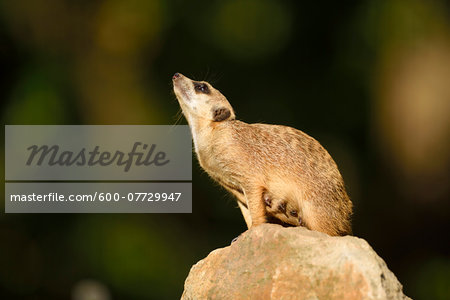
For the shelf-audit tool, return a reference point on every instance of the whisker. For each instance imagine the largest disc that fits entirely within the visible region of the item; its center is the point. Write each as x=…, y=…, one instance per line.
x=177, y=118
x=215, y=77
x=207, y=73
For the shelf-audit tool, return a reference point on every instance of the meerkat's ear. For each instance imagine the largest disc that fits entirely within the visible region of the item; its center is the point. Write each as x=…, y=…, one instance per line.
x=221, y=114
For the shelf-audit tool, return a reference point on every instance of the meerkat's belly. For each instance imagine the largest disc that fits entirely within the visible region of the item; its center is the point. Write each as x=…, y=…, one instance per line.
x=281, y=195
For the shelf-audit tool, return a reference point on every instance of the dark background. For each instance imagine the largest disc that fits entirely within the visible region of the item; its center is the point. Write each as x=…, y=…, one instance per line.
x=369, y=79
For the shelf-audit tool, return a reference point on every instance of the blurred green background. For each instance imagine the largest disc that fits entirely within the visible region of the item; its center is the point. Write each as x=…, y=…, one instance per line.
x=369, y=79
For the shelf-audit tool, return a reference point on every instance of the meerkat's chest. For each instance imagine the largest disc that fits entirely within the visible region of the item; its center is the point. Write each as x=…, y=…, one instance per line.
x=219, y=161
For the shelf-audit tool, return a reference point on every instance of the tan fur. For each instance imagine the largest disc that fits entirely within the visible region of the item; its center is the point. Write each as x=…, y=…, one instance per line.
x=276, y=172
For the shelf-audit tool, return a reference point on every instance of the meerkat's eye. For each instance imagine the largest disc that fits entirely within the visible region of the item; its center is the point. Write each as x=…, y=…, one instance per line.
x=201, y=87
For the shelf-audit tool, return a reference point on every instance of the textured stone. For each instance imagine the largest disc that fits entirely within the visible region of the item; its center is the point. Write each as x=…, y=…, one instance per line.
x=273, y=262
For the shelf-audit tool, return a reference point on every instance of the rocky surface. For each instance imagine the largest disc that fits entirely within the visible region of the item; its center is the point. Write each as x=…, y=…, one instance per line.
x=272, y=262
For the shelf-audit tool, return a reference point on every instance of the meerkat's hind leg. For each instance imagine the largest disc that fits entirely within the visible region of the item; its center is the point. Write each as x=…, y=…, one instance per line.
x=285, y=211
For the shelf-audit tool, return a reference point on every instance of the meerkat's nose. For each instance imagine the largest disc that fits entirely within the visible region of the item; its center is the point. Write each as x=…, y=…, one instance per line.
x=176, y=75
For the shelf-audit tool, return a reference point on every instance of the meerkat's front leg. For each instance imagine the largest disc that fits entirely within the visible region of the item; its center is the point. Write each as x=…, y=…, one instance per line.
x=246, y=213
x=255, y=204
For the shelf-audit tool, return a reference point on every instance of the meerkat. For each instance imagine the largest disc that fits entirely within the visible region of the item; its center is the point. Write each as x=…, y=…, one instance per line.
x=277, y=173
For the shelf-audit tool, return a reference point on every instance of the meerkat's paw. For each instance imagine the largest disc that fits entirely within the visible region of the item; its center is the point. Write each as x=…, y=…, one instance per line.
x=282, y=209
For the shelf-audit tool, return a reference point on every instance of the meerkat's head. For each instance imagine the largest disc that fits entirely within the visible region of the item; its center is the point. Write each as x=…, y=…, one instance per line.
x=199, y=100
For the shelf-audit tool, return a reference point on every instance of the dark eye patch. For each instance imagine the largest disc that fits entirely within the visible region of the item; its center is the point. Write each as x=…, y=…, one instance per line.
x=201, y=87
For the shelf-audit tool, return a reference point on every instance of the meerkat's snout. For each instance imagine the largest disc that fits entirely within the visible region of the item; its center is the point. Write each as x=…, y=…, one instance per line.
x=182, y=88
x=176, y=78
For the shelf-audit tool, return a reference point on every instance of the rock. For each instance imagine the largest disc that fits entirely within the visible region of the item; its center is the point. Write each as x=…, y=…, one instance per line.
x=273, y=262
